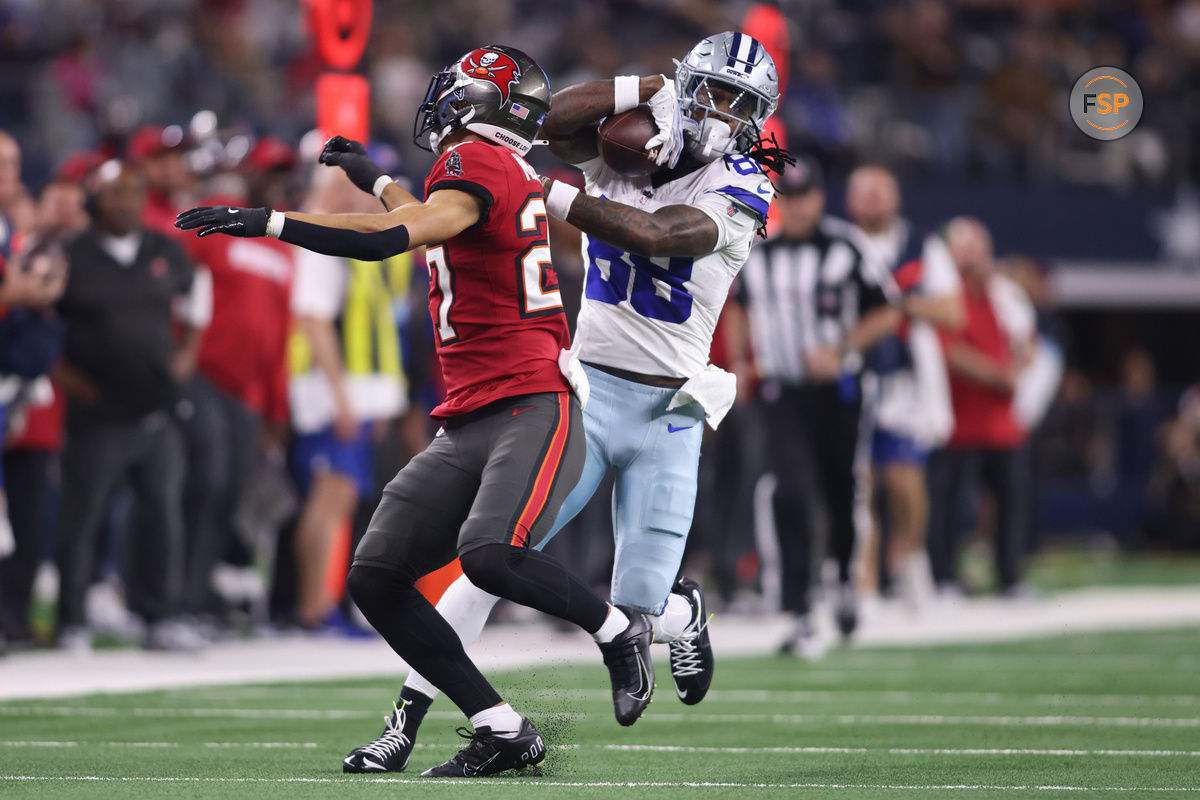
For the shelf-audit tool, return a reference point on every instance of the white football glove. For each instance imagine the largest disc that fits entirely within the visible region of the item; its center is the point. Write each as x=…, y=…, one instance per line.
x=667, y=117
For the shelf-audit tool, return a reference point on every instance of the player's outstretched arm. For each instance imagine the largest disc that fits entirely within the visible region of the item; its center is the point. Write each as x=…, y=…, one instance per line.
x=367, y=237
x=351, y=156
x=670, y=231
x=575, y=112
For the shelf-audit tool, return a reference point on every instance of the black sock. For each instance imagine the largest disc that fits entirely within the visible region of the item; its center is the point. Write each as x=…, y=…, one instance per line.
x=534, y=579
x=414, y=704
x=419, y=635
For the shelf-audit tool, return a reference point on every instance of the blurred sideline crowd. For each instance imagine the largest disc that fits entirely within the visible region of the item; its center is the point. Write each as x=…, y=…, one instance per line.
x=950, y=88
x=195, y=431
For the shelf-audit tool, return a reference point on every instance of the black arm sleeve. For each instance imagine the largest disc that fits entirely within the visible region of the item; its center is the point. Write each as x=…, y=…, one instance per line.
x=344, y=242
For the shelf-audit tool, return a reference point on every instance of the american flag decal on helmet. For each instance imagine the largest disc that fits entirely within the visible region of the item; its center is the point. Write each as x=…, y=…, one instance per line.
x=519, y=111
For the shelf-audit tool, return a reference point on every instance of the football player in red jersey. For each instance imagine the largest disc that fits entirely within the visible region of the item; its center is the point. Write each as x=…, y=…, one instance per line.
x=512, y=446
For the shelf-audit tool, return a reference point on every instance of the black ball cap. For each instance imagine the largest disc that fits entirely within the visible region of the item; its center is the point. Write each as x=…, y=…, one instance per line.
x=801, y=177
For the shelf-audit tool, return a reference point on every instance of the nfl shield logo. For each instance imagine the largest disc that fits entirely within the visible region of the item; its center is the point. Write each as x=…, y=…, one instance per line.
x=732, y=210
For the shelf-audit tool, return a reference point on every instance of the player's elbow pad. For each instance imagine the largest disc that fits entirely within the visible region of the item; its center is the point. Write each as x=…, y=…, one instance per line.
x=344, y=242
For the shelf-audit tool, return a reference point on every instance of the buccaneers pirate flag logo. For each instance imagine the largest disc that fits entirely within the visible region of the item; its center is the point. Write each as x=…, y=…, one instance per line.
x=496, y=68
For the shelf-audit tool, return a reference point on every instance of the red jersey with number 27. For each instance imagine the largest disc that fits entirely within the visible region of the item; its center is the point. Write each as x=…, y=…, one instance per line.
x=493, y=293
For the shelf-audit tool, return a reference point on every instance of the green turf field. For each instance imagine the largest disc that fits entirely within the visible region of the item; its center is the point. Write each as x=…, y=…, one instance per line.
x=1116, y=713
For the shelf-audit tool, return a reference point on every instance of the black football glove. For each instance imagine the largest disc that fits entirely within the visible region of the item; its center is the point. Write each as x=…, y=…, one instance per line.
x=352, y=157
x=246, y=222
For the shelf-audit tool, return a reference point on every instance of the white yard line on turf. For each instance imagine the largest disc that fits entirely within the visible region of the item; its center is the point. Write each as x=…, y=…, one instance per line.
x=1016, y=661
x=901, y=751
x=894, y=696
x=49, y=674
x=782, y=719
x=932, y=719
x=534, y=782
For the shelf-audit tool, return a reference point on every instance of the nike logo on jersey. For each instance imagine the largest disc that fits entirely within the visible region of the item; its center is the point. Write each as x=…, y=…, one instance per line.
x=517, y=411
x=672, y=429
x=760, y=190
x=235, y=210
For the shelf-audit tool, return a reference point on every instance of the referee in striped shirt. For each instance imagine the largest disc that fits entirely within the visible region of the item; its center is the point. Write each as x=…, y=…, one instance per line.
x=811, y=304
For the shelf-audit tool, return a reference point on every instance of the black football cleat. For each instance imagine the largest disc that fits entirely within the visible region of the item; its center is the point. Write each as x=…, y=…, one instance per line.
x=489, y=754
x=630, y=668
x=388, y=753
x=691, y=654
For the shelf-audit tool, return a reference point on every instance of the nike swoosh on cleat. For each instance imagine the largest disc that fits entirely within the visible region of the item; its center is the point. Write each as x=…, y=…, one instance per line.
x=517, y=411
x=369, y=763
x=234, y=210
x=641, y=681
x=469, y=770
x=672, y=429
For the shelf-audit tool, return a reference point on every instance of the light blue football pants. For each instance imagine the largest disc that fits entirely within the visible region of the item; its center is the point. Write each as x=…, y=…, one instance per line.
x=656, y=454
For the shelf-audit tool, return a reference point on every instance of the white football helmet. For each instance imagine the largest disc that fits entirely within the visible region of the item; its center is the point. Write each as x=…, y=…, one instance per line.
x=740, y=64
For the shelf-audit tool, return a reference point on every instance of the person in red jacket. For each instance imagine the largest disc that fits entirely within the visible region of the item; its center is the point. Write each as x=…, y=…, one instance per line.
x=240, y=391
x=984, y=360
x=159, y=152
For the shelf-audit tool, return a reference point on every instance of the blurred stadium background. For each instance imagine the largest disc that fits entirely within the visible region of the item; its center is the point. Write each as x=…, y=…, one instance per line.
x=964, y=100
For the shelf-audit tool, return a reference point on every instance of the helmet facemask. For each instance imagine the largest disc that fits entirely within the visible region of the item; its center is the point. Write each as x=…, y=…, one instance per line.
x=443, y=111
x=731, y=64
x=715, y=132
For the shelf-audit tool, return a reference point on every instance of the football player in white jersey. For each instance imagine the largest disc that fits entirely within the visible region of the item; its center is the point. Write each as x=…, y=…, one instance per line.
x=661, y=253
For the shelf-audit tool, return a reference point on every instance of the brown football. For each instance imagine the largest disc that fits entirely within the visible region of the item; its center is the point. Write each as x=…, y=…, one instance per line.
x=622, y=141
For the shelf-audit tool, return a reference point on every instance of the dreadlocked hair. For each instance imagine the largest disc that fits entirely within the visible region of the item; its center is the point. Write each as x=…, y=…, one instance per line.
x=768, y=153
x=770, y=156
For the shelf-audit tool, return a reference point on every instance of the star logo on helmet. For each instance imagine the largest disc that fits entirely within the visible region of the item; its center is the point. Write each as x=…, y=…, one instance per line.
x=495, y=68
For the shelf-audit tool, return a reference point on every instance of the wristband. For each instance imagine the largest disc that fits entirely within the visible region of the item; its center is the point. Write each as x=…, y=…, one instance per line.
x=275, y=224
x=627, y=93
x=559, y=199
x=381, y=183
